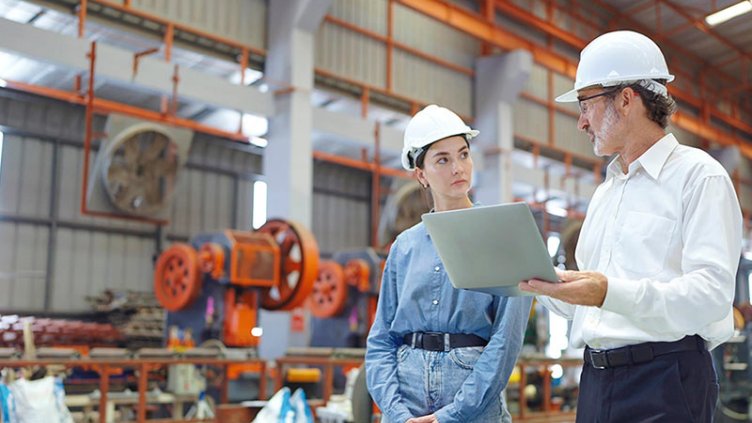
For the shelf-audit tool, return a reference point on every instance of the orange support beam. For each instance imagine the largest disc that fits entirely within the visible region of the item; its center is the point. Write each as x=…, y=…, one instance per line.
x=476, y=26
x=359, y=164
x=376, y=187
x=182, y=27
x=515, y=12
x=168, y=40
x=389, y=43
x=82, y=19
x=404, y=47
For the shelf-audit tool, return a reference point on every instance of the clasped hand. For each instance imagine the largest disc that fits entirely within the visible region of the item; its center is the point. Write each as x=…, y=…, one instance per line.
x=431, y=418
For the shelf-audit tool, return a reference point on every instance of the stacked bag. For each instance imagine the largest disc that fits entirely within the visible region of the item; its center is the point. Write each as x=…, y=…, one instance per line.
x=286, y=408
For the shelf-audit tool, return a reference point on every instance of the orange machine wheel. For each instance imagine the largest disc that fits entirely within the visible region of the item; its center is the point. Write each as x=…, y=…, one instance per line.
x=177, y=279
x=211, y=258
x=299, y=258
x=329, y=291
x=358, y=274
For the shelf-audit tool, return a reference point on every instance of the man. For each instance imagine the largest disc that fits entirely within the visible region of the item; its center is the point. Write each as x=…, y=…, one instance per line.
x=660, y=247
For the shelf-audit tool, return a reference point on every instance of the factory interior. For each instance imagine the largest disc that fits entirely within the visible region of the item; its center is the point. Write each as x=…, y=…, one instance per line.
x=197, y=197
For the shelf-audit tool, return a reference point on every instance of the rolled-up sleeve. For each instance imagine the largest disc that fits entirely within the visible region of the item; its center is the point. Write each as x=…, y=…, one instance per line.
x=381, y=359
x=494, y=366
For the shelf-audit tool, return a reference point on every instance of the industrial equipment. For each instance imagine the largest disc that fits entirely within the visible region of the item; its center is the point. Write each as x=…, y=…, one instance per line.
x=344, y=297
x=137, y=167
x=215, y=285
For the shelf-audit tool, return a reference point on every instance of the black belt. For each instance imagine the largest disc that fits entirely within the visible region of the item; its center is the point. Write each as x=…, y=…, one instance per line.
x=640, y=353
x=432, y=341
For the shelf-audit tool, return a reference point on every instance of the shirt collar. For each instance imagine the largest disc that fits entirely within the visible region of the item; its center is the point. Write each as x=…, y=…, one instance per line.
x=651, y=160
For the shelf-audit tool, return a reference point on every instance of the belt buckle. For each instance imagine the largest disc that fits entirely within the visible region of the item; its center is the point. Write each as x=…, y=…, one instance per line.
x=433, y=341
x=598, y=359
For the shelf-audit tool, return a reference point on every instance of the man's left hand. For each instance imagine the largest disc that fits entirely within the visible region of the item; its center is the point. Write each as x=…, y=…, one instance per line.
x=431, y=418
x=581, y=288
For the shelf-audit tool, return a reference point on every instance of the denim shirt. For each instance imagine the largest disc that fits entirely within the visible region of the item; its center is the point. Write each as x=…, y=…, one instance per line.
x=417, y=296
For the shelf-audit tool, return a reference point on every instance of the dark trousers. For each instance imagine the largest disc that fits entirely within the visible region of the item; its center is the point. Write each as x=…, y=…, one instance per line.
x=678, y=387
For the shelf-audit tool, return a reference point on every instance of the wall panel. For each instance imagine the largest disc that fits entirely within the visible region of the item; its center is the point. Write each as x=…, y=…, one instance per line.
x=240, y=20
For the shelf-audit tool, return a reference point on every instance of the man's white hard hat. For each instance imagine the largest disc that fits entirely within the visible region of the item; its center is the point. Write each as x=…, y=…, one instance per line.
x=620, y=57
x=429, y=125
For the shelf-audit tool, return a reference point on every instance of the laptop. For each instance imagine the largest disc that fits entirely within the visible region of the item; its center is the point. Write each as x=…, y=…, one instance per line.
x=490, y=248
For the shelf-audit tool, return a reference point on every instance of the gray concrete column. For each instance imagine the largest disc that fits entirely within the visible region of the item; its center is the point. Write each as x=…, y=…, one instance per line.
x=498, y=82
x=288, y=162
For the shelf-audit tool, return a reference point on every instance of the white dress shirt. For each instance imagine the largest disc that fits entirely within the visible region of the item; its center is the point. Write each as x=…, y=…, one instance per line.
x=668, y=236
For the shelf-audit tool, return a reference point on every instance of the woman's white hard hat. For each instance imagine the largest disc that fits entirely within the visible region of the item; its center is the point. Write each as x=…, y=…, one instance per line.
x=429, y=125
x=620, y=57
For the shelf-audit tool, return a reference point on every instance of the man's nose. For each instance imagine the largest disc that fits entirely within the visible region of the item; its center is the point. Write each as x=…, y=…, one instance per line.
x=582, y=122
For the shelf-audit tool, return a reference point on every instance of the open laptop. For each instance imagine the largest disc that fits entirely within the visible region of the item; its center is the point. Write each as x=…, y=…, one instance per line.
x=490, y=249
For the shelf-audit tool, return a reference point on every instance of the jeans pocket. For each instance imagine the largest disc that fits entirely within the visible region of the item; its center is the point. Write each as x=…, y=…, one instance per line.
x=465, y=357
x=402, y=352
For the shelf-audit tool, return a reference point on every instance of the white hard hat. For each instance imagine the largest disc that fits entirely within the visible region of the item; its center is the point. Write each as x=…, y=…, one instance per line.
x=429, y=125
x=618, y=57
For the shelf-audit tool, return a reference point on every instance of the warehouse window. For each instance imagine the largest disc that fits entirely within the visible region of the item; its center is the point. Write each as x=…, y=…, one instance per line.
x=259, y=204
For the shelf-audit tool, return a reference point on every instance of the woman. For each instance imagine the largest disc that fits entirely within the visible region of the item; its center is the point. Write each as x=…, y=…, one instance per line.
x=435, y=353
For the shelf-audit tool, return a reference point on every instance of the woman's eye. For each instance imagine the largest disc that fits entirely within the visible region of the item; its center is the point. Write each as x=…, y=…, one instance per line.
x=465, y=155
x=441, y=160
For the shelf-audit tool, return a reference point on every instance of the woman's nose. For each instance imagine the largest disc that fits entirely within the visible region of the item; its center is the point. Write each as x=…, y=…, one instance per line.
x=456, y=168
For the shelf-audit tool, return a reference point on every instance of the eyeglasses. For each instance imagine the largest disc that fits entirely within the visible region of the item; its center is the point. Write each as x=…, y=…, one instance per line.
x=584, y=106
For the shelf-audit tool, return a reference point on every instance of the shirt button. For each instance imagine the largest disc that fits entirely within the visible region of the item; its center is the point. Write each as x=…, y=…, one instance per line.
x=435, y=302
x=436, y=269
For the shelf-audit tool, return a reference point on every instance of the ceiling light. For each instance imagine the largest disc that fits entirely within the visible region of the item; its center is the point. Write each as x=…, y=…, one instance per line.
x=259, y=142
x=729, y=13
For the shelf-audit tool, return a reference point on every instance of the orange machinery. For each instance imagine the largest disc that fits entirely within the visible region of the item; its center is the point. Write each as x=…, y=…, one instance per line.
x=344, y=298
x=215, y=285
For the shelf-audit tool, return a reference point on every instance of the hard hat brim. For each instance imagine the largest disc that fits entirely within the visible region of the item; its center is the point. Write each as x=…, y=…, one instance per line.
x=406, y=162
x=568, y=97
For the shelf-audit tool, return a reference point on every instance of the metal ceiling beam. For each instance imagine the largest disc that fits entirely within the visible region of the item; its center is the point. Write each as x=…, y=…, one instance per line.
x=476, y=26
x=574, y=41
x=513, y=11
x=668, y=43
x=704, y=27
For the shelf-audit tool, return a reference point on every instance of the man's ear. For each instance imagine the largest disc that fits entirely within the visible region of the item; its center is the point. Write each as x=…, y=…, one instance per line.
x=626, y=99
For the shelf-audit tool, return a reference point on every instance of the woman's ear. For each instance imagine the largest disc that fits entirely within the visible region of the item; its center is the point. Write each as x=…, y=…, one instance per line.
x=421, y=177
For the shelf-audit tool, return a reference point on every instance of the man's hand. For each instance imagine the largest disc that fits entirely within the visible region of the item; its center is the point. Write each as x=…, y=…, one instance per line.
x=431, y=418
x=581, y=288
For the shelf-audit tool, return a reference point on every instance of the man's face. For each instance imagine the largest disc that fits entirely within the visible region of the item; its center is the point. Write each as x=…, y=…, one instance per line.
x=600, y=120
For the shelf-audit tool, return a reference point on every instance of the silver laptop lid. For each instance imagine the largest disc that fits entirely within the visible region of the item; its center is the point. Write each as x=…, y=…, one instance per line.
x=490, y=248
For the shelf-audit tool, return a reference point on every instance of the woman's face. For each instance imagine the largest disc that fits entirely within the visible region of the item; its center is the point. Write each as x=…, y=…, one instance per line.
x=447, y=167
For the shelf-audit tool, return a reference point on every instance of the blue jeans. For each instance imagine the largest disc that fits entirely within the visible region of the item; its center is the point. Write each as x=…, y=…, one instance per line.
x=429, y=380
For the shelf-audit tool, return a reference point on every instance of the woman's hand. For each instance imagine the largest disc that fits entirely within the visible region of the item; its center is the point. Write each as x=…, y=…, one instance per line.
x=431, y=418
